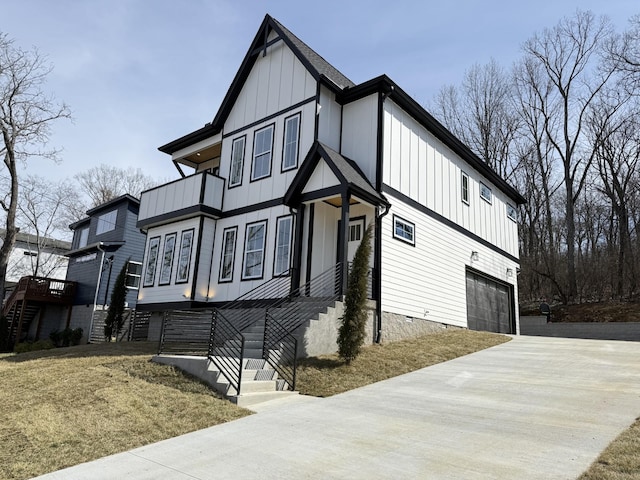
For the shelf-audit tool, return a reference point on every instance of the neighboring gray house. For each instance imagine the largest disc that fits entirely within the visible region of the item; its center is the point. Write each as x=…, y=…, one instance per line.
x=103, y=243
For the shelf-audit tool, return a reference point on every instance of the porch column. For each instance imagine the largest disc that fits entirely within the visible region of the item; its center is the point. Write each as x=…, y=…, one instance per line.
x=343, y=240
x=297, y=248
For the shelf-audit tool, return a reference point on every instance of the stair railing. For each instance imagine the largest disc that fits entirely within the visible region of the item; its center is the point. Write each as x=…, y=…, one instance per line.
x=226, y=340
x=226, y=345
x=280, y=347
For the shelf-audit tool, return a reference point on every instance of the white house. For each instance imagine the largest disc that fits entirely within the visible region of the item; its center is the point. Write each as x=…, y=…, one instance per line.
x=36, y=256
x=296, y=163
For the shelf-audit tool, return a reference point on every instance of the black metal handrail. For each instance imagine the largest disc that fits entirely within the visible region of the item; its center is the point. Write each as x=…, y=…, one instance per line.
x=226, y=340
x=226, y=345
x=284, y=316
x=280, y=350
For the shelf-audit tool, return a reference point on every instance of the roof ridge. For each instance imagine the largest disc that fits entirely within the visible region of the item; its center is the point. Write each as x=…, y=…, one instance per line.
x=322, y=66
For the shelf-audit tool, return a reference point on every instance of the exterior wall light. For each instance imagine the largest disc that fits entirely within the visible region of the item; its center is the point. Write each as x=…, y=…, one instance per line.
x=474, y=256
x=509, y=272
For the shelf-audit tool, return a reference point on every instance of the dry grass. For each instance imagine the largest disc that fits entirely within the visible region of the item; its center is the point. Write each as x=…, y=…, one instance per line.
x=328, y=375
x=620, y=460
x=67, y=406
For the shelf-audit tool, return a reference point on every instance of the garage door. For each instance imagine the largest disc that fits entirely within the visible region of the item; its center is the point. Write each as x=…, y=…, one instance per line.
x=488, y=304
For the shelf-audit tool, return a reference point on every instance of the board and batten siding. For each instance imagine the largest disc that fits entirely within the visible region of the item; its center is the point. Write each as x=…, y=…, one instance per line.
x=329, y=119
x=421, y=167
x=226, y=291
x=274, y=186
x=360, y=134
x=428, y=280
x=276, y=81
x=172, y=292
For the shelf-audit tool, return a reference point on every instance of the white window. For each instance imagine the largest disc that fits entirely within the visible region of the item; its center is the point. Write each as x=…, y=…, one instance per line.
x=134, y=271
x=355, y=232
x=152, y=261
x=262, y=145
x=464, y=185
x=83, y=237
x=227, y=260
x=184, y=257
x=167, y=259
x=283, y=246
x=485, y=192
x=512, y=213
x=237, y=162
x=403, y=230
x=107, y=222
x=254, y=250
x=290, y=146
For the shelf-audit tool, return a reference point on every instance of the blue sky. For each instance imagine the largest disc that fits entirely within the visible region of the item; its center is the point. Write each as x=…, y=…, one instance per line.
x=140, y=73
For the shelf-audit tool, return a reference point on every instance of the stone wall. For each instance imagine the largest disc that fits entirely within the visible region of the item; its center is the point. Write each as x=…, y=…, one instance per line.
x=399, y=327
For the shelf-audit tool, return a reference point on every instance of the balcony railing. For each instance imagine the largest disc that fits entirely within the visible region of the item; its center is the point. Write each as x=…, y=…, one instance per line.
x=189, y=196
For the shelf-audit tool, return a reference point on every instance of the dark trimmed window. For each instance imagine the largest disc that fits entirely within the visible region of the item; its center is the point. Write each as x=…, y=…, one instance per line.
x=166, y=265
x=290, y=144
x=485, y=193
x=282, y=257
x=464, y=186
x=237, y=162
x=152, y=261
x=404, y=230
x=227, y=259
x=262, y=149
x=254, y=241
x=184, y=257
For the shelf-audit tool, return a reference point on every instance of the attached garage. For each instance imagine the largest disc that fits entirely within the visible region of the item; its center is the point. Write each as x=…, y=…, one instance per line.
x=489, y=304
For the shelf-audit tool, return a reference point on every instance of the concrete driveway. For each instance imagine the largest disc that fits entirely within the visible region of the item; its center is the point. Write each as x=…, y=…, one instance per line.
x=533, y=408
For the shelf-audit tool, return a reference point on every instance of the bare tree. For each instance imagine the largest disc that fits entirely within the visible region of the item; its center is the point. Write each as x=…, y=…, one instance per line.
x=26, y=114
x=482, y=114
x=569, y=55
x=618, y=164
x=106, y=182
x=43, y=214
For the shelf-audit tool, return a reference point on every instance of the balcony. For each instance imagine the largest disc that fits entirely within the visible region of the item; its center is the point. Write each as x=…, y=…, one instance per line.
x=199, y=194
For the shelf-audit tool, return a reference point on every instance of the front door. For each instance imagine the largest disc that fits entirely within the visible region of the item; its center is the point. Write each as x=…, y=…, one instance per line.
x=355, y=232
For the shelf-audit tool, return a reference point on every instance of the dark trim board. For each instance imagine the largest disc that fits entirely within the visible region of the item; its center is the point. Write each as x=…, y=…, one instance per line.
x=270, y=117
x=312, y=211
x=177, y=214
x=436, y=216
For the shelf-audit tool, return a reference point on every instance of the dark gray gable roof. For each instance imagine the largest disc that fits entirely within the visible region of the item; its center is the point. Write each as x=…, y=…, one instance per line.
x=345, y=169
x=319, y=68
x=313, y=61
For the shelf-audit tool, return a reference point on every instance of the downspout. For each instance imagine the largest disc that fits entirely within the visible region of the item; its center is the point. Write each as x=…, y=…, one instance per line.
x=95, y=298
x=378, y=273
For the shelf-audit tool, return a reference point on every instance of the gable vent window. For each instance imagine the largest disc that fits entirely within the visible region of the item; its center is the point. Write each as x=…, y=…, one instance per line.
x=262, y=146
x=485, y=192
x=404, y=230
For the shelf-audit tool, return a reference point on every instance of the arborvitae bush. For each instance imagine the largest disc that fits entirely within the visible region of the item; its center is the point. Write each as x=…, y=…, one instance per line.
x=351, y=333
x=115, y=315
